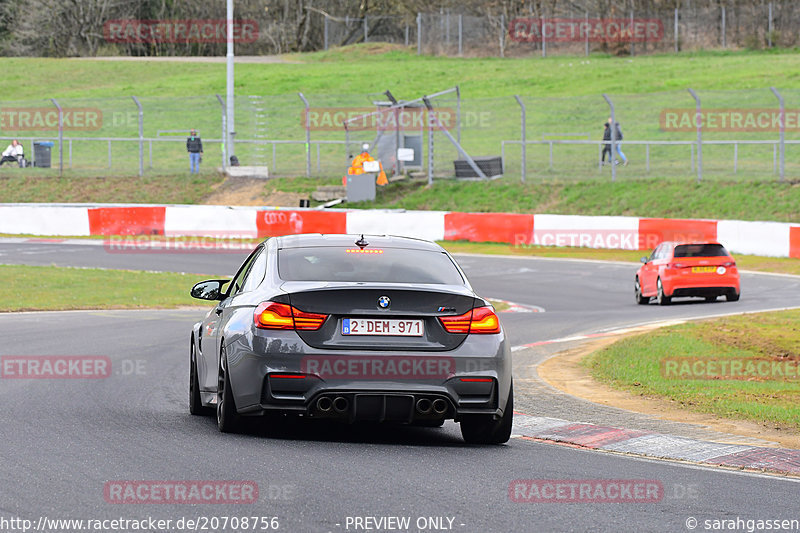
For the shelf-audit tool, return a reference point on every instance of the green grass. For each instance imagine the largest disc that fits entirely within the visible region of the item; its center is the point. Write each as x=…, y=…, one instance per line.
x=634, y=364
x=402, y=71
x=563, y=95
x=779, y=265
x=39, y=288
x=668, y=198
x=179, y=189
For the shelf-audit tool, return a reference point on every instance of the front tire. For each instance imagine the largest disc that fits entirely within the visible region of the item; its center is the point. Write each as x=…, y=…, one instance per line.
x=227, y=419
x=637, y=291
x=196, y=406
x=485, y=430
x=662, y=298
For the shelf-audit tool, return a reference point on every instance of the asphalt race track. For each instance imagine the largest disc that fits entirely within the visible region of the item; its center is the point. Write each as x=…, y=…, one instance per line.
x=64, y=440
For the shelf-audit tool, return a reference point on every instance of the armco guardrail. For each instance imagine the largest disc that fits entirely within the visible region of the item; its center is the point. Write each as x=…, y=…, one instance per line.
x=775, y=239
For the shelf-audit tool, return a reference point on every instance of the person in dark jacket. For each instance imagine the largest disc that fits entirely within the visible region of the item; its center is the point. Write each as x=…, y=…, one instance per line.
x=606, y=143
x=195, y=148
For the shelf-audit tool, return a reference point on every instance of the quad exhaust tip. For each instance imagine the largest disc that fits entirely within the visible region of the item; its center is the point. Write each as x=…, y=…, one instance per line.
x=439, y=406
x=324, y=404
x=340, y=404
x=424, y=406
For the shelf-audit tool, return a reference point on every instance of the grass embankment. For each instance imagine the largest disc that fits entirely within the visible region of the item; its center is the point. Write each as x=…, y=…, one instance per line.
x=38, y=288
x=766, y=389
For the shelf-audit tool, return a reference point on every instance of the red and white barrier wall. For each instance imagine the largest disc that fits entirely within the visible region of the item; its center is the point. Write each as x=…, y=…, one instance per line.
x=630, y=233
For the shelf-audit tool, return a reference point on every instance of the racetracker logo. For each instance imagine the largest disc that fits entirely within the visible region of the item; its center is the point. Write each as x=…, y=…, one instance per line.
x=179, y=31
x=55, y=367
x=180, y=492
x=379, y=367
x=567, y=30
x=733, y=368
x=371, y=119
x=208, y=242
x=585, y=491
x=738, y=120
x=46, y=119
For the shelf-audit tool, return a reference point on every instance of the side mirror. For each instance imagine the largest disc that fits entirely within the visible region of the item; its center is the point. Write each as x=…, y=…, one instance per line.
x=209, y=290
x=643, y=260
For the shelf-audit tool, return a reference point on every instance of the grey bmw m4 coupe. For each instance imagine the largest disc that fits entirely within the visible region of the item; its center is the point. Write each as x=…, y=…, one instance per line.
x=352, y=328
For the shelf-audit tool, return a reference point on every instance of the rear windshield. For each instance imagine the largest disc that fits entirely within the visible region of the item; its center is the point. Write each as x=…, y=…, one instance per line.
x=387, y=265
x=700, y=250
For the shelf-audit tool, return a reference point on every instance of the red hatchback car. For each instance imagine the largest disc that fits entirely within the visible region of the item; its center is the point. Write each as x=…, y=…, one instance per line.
x=674, y=269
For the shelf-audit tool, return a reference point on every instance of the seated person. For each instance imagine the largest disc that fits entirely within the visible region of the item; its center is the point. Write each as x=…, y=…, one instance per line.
x=12, y=154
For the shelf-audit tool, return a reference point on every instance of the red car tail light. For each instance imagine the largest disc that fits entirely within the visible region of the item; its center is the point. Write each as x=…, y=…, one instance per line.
x=729, y=264
x=478, y=320
x=273, y=315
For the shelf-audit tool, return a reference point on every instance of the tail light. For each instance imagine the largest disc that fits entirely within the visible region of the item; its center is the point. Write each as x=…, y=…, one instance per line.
x=675, y=265
x=478, y=320
x=273, y=315
x=729, y=264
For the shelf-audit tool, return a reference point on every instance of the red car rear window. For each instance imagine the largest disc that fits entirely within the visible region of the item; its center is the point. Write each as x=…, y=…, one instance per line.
x=700, y=250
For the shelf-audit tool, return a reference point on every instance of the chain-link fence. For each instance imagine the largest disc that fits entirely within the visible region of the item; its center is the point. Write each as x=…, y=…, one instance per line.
x=621, y=27
x=297, y=135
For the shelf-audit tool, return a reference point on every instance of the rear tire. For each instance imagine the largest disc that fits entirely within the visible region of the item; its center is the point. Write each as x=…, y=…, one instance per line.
x=637, y=291
x=732, y=296
x=485, y=430
x=662, y=298
x=196, y=406
x=227, y=419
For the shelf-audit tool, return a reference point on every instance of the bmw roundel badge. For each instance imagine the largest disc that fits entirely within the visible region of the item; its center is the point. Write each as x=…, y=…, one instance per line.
x=384, y=302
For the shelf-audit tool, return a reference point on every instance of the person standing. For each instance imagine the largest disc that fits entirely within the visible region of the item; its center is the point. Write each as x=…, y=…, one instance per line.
x=618, y=143
x=606, y=144
x=195, y=148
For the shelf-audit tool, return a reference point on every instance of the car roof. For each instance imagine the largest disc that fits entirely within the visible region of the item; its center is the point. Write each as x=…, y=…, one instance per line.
x=305, y=240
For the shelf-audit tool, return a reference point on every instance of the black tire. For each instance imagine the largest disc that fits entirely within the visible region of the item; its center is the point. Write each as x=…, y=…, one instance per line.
x=732, y=296
x=196, y=406
x=486, y=430
x=227, y=419
x=637, y=292
x=662, y=298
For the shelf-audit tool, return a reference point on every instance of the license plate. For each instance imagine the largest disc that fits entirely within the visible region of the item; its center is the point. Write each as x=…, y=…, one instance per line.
x=704, y=269
x=388, y=327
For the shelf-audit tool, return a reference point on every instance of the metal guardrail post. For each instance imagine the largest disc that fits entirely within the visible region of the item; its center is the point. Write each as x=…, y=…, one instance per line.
x=544, y=39
x=524, y=137
x=699, y=119
x=724, y=29
x=782, y=104
x=613, y=127
x=60, y=137
x=325, y=32
x=458, y=113
x=464, y=154
x=676, y=31
x=419, y=33
x=224, y=133
x=141, y=135
x=308, y=135
x=460, y=35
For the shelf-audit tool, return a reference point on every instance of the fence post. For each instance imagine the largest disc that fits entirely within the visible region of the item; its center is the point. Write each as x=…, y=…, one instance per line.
x=699, y=119
x=419, y=33
x=586, y=40
x=460, y=35
x=676, y=31
x=60, y=137
x=724, y=29
x=308, y=135
x=769, y=25
x=141, y=135
x=632, y=52
x=502, y=34
x=458, y=114
x=224, y=132
x=406, y=35
x=325, y=31
x=544, y=39
x=366, y=29
x=524, y=138
x=613, y=127
x=779, y=96
x=430, y=147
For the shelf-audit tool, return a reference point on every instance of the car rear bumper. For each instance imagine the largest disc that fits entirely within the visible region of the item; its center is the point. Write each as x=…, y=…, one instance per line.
x=700, y=285
x=373, y=386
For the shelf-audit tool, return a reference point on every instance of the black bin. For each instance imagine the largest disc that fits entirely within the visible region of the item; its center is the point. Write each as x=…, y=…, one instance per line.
x=41, y=153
